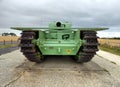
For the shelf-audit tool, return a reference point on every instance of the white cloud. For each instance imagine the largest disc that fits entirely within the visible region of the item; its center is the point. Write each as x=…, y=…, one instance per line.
x=108, y=34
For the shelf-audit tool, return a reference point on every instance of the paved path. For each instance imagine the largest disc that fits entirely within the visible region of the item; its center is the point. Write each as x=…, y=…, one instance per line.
x=109, y=56
x=61, y=71
x=7, y=50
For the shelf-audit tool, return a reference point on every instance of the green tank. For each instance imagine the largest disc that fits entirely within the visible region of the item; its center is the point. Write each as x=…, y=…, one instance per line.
x=58, y=39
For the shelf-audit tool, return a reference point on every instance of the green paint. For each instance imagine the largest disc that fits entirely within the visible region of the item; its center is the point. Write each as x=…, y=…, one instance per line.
x=58, y=38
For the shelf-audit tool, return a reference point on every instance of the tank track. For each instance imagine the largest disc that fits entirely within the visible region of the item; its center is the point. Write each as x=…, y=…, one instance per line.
x=30, y=50
x=88, y=50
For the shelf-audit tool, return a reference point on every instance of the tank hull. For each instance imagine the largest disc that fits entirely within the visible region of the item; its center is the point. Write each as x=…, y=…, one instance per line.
x=59, y=48
x=59, y=39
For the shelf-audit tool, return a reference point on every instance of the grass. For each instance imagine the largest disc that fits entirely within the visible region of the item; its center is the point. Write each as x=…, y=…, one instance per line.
x=9, y=38
x=8, y=46
x=114, y=50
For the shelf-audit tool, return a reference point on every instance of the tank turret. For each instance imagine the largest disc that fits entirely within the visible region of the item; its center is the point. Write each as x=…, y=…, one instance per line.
x=59, y=25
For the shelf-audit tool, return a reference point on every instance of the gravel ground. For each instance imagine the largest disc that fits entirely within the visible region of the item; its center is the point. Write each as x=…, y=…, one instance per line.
x=60, y=71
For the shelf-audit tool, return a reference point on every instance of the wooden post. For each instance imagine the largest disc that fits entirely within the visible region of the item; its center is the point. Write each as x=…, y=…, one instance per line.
x=3, y=42
x=108, y=43
x=11, y=41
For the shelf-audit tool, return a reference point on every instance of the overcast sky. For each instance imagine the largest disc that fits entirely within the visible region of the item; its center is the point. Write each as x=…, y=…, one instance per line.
x=81, y=13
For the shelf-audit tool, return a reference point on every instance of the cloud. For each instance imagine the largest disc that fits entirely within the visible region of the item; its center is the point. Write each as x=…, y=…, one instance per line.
x=108, y=34
x=82, y=13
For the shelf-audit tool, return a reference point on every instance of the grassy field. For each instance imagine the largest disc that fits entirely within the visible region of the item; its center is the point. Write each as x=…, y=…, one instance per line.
x=8, y=38
x=110, y=45
x=8, y=46
x=110, y=42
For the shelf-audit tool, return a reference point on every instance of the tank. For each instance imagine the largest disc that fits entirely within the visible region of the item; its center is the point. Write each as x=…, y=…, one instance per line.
x=59, y=38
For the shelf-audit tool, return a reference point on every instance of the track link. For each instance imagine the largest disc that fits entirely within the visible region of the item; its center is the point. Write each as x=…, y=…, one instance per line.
x=88, y=50
x=30, y=50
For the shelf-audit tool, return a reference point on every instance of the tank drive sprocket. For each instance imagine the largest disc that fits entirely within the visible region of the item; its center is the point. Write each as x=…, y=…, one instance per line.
x=29, y=49
x=88, y=50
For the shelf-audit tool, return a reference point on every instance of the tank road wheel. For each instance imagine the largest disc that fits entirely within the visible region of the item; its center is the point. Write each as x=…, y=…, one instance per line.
x=30, y=50
x=88, y=50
